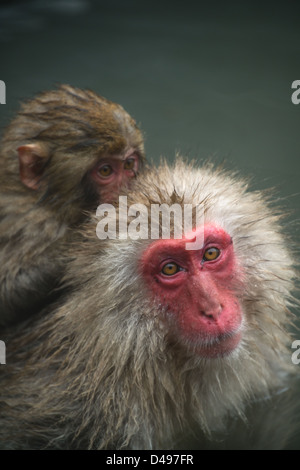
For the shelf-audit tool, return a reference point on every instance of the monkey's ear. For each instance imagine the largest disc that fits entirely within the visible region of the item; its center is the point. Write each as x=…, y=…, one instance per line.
x=31, y=161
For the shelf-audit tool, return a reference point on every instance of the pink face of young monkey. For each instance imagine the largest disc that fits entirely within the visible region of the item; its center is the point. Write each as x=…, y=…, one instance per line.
x=197, y=289
x=115, y=172
x=109, y=174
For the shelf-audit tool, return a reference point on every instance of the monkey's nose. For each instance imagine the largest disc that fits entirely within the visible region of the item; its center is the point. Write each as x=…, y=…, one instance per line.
x=212, y=314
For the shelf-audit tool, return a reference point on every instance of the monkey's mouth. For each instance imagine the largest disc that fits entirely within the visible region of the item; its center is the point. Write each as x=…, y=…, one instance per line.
x=219, y=346
x=215, y=345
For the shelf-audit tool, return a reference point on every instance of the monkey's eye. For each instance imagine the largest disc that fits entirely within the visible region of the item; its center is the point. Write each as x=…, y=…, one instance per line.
x=129, y=164
x=170, y=269
x=105, y=171
x=211, y=254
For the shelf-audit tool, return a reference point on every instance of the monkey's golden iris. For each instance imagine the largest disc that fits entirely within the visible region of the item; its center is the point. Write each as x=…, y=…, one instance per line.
x=105, y=170
x=129, y=164
x=170, y=268
x=211, y=254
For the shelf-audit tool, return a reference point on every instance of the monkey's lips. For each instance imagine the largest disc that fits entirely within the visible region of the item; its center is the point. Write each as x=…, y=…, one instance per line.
x=219, y=346
x=213, y=336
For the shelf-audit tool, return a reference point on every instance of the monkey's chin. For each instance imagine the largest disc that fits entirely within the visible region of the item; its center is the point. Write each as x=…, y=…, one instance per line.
x=222, y=346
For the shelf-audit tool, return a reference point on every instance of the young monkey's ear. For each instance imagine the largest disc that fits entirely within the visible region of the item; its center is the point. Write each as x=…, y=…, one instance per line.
x=32, y=158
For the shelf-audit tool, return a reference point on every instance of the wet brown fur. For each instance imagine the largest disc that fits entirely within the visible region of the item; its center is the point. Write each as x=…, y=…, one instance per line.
x=106, y=370
x=76, y=128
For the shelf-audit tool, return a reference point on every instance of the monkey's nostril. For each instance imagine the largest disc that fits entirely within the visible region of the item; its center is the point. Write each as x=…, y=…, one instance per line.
x=203, y=313
x=212, y=315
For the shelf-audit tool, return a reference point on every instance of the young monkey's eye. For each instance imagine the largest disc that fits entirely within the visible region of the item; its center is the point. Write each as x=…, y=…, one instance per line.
x=105, y=170
x=211, y=254
x=170, y=269
x=129, y=164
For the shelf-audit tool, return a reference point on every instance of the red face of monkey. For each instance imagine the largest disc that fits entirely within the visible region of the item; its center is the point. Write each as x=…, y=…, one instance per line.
x=109, y=174
x=198, y=290
x=115, y=172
